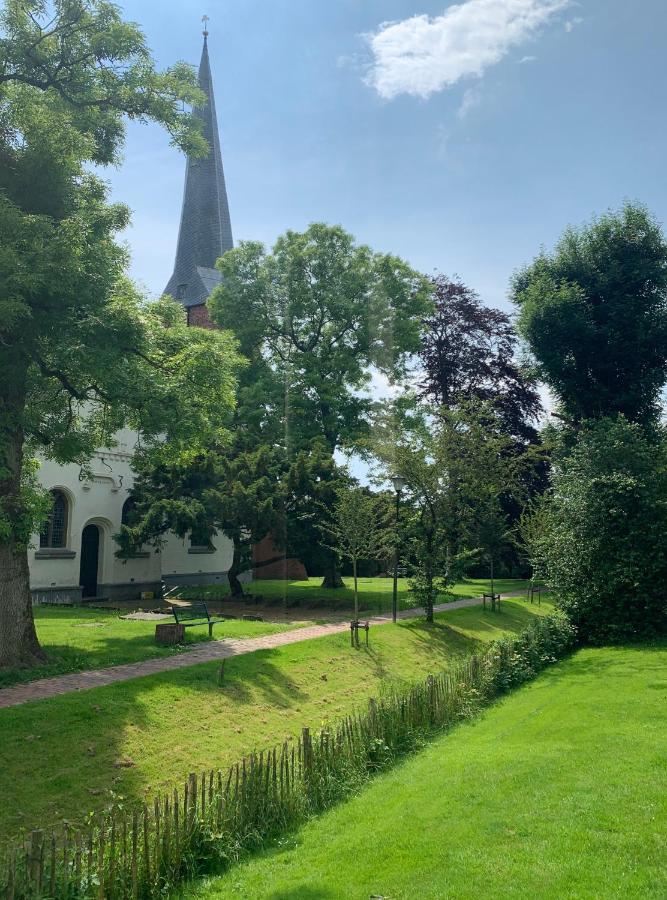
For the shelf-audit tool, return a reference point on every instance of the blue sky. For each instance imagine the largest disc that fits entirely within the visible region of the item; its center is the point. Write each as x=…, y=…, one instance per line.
x=461, y=136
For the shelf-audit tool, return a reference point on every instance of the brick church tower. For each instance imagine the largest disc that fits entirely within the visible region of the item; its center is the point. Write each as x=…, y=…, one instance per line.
x=205, y=233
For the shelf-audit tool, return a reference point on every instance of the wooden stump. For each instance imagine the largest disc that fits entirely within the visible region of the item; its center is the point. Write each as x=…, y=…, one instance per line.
x=168, y=635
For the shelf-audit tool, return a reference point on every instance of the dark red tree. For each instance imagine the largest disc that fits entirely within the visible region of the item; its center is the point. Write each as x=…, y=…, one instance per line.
x=468, y=353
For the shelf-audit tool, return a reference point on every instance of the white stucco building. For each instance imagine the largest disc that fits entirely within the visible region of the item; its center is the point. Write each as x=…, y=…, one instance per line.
x=74, y=557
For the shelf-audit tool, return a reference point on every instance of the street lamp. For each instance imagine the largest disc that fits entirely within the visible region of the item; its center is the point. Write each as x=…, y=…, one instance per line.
x=399, y=484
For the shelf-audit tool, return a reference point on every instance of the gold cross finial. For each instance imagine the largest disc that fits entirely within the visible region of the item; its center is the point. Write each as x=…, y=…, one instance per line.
x=205, y=20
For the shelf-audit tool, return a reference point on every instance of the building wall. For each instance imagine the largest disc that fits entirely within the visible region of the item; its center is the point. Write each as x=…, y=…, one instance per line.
x=97, y=498
x=199, y=317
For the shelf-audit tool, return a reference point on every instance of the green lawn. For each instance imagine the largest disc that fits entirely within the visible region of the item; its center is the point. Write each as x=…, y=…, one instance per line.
x=76, y=639
x=558, y=791
x=375, y=593
x=63, y=757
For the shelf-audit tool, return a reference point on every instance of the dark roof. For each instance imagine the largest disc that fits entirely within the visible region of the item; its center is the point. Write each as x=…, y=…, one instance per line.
x=205, y=232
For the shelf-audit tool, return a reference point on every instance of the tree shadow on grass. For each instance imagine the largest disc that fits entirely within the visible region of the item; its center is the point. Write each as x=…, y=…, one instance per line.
x=439, y=639
x=63, y=758
x=67, y=756
x=376, y=660
x=250, y=673
x=64, y=659
x=109, y=650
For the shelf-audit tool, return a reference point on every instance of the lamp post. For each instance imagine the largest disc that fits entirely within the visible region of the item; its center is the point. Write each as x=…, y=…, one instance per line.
x=399, y=484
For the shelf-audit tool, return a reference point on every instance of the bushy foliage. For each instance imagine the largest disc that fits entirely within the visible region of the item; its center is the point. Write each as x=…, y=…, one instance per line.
x=594, y=314
x=602, y=540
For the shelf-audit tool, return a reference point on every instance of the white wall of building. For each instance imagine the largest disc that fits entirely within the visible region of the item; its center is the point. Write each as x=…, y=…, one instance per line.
x=97, y=498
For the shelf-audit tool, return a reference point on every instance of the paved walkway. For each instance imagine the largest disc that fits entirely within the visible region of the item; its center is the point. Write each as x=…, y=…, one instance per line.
x=207, y=652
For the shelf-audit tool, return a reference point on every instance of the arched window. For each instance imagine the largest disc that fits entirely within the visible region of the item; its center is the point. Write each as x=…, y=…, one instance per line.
x=127, y=510
x=54, y=530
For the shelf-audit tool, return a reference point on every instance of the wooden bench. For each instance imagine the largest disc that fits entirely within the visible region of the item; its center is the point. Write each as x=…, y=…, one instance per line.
x=195, y=614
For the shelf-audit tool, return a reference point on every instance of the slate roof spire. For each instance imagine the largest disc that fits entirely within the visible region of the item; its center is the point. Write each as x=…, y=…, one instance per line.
x=205, y=231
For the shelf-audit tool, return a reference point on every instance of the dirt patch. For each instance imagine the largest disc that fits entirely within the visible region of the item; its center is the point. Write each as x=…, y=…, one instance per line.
x=141, y=616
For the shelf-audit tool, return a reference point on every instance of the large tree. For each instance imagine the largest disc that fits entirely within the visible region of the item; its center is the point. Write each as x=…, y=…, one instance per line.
x=323, y=313
x=468, y=353
x=594, y=314
x=81, y=354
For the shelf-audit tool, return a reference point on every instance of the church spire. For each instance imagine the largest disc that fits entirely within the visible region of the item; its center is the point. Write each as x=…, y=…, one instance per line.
x=205, y=232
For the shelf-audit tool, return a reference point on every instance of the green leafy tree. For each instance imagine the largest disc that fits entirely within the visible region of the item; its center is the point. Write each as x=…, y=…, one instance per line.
x=406, y=444
x=601, y=536
x=81, y=354
x=314, y=482
x=457, y=471
x=238, y=494
x=594, y=314
x=323, y=313
x=358, y=530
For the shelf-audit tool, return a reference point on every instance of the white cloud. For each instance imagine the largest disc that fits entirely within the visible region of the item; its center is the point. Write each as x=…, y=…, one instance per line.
x=572, y=23
x=526, y=59
x=422, y=55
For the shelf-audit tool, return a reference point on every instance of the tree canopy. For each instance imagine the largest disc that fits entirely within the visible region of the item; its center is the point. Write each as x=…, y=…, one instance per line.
x=594, y=314
x=468, y=353
x=323, y=311
x=316, y=317
x=240, y=495
x=358, y=530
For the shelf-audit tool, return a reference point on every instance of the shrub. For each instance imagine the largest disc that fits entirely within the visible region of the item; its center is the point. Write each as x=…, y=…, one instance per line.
x=603, y=539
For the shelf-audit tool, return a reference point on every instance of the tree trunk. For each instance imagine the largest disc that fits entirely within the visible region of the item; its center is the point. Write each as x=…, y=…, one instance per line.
x=429, y=578
x=356, y=595
x=235, y=586
x=493, y=584
x=332, y=577
x=18, y=639
x=448, y=565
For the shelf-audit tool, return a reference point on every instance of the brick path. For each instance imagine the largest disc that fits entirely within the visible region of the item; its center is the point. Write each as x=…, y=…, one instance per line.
x=45, y=688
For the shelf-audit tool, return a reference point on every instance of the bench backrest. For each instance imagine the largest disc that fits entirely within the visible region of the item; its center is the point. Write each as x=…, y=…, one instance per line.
x=196, y=610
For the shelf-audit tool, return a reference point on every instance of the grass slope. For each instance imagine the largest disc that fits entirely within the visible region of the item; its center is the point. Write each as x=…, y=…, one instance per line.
x=63, y=757
x=76, y=639
x=375, y=594
x=558, y=791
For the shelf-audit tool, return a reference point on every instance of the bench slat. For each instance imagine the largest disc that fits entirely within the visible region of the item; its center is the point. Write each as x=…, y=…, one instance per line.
x=197, y=610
